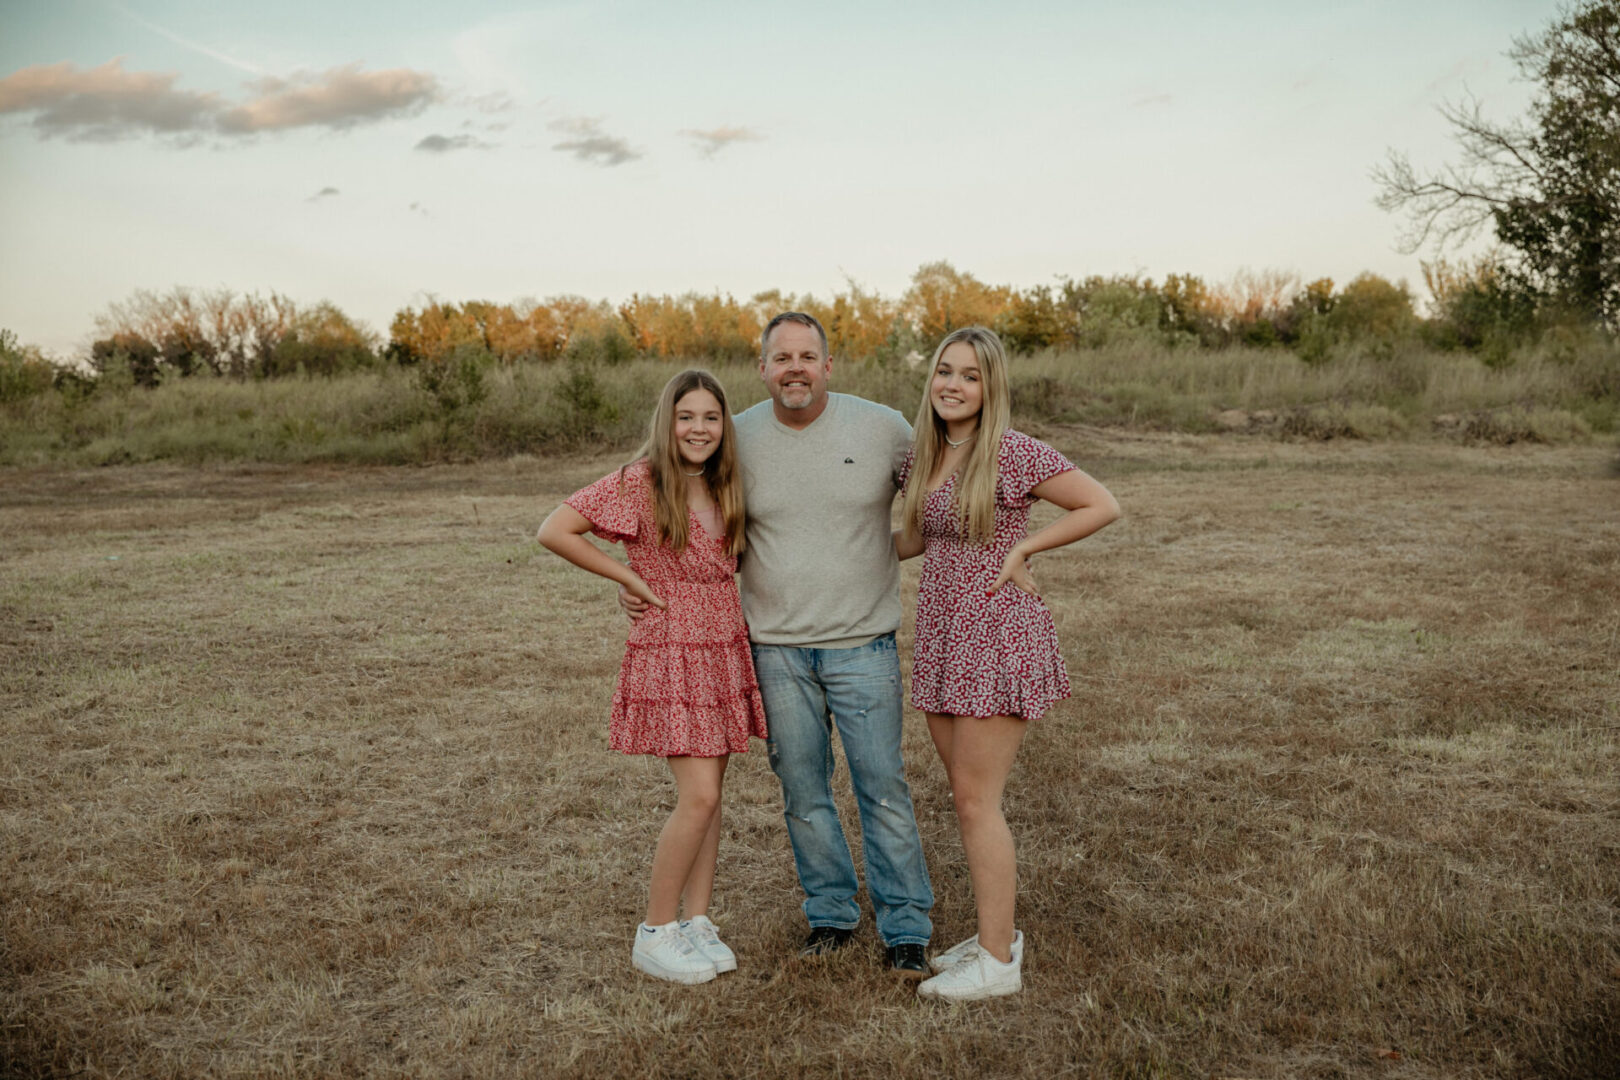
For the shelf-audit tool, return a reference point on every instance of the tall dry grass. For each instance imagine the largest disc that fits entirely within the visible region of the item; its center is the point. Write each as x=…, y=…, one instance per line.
x=1559, y=393
x=306, y=775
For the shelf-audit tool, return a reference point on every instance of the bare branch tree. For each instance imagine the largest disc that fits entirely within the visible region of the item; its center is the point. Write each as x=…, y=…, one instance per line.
x=1548, y=186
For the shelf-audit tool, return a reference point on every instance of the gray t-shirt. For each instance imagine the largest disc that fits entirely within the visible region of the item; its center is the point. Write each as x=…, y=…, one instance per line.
x=820, y=569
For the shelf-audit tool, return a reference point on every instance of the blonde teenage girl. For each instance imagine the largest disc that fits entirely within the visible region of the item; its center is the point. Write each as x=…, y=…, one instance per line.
x=986, y=659
x=686, y=690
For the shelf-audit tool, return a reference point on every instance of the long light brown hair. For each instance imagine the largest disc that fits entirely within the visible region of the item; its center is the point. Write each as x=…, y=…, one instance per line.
x=975, y=495
x=668, y=468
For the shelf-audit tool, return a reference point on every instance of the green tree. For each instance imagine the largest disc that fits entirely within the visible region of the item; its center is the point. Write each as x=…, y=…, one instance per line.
x=1476, y=305
x=1033, y=319
x=1548, y=185
x=323, y=341
x=1372, y=307
x=1104, y=310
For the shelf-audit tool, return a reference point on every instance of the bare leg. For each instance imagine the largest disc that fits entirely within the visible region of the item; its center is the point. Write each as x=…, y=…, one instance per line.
x=700, y=882
x=982, y=754
x=697, y=808
x=943, y=731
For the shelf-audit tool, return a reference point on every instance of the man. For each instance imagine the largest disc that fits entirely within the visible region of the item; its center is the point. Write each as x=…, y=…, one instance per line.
x=820, y=590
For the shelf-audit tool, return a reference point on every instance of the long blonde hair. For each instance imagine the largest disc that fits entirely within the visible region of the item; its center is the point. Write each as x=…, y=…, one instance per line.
x=667, y=468
x=975, y=495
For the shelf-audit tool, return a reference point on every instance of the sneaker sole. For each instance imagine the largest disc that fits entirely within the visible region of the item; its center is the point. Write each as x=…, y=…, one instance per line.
x=658, y=971
x=723, y=966
x=945, y=961
x=979, y=994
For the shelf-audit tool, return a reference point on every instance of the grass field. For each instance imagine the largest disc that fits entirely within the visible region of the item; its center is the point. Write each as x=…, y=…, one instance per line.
x=306, y=775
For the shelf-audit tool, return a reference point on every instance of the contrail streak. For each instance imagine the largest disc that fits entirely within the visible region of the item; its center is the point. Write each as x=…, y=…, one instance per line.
x=187, y=43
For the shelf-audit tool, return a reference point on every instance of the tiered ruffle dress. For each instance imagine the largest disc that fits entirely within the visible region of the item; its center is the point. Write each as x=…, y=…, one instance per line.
x=978, y=655
x=687, y=685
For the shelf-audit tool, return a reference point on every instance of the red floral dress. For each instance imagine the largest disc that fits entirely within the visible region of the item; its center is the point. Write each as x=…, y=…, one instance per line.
x=686, y=686
x=978, y=655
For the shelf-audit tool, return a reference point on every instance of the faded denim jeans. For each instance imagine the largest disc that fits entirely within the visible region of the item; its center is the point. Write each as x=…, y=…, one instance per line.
x=806, y=691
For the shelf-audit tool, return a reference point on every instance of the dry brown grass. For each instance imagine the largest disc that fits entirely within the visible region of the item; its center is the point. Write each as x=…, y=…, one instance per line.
x=306, y=775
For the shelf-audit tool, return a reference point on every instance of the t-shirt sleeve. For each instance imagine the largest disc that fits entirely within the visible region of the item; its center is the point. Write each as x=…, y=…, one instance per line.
x=901, y=449
x=1025, y=463
x=612, y=505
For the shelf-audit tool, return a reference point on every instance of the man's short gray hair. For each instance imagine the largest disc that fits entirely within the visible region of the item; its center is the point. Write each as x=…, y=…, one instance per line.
x=793, y=317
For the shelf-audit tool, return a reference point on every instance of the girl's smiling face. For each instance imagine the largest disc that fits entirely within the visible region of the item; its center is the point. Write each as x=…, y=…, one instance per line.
x=957, y=388
x=699, y=425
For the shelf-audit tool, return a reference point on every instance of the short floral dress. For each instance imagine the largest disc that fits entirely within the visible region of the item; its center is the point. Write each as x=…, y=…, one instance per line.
x=686, y=686
x=978, y=655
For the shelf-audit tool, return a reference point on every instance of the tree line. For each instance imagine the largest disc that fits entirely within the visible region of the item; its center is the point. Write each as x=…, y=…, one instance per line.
x=153, y=336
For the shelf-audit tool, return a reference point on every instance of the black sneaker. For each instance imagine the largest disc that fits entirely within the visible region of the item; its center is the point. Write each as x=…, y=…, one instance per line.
x=825, y=939
x=908, y=961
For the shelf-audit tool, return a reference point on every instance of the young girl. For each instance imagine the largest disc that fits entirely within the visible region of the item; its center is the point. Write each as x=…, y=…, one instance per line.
x=686, y=689
x=986, y=659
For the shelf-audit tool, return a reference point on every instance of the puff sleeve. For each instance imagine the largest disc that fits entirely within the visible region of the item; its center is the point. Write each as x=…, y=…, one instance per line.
x=1024, y=463
x=904, y=471
x=613, y=505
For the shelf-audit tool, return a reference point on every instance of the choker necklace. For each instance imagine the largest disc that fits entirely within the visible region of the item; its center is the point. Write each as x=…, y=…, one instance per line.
x=964, y=442
x=698, y=473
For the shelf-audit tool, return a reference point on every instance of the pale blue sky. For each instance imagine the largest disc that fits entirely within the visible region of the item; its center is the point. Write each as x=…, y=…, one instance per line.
x=1022, y=142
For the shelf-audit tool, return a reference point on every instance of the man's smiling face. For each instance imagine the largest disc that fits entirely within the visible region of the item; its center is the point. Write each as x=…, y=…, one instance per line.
x=794, y=369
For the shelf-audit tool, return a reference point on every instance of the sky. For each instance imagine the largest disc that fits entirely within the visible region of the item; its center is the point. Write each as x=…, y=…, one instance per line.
x=379, y=155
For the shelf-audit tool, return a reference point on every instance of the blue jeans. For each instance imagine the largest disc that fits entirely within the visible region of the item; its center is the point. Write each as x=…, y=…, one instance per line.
x=806, y=691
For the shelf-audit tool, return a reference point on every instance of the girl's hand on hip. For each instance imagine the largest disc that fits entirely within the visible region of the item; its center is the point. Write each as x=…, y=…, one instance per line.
x=1015, y=571
x=643, y=592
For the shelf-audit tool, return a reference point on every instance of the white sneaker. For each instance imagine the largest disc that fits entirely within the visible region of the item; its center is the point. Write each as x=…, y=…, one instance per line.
x=977, y=976
x=703, y=933
x=665, y=953
x=963, y=949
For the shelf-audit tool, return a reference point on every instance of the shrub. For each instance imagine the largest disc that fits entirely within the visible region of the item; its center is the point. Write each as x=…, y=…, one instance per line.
x=1480, y=306
x=23, y=371
x=127, y=357
x=455, y=384
x=1504, y=427
x=588, y=410
x=1338, y=420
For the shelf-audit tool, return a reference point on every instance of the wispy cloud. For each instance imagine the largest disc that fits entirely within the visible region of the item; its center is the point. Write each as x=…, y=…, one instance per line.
x=714, y=140
x=107, y=102
x=324, y=193
x=590, y=143
x=443, y=144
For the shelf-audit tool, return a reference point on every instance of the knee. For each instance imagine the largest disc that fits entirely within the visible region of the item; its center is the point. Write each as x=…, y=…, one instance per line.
x=974, y=806
x=803, y=770
x=700, y=801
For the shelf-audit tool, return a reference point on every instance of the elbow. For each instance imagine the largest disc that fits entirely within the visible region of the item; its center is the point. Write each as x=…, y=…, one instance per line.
x=547, y=535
